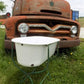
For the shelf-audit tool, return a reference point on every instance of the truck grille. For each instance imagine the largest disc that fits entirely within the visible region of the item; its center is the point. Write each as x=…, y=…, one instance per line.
x=45, y=30
x=46, y=27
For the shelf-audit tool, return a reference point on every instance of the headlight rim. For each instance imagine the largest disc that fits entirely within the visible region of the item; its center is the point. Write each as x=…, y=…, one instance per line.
x=74, y=31
x=20, y=30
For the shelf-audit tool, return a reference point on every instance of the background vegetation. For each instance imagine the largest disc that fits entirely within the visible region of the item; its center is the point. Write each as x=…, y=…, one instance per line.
x=2, y=6
x=81, y=21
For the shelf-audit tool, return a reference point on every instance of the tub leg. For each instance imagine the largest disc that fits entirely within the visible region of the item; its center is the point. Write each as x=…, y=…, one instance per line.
x=27, y=76
x=57, y=48
x=44, y=78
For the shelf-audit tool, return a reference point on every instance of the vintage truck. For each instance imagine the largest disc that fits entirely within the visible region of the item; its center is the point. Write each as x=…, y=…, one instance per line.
x=52, y=18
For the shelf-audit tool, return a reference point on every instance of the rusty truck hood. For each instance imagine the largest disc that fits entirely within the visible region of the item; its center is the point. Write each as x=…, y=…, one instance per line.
x=48, y=7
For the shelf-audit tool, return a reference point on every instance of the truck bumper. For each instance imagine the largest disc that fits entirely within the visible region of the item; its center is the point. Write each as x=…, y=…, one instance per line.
x=62, y=44
x=69, y=43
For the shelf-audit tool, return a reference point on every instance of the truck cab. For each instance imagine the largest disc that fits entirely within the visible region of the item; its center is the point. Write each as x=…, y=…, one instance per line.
x=51, y=18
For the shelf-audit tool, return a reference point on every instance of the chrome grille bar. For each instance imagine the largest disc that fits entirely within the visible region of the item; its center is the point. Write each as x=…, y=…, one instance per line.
x=53, y=29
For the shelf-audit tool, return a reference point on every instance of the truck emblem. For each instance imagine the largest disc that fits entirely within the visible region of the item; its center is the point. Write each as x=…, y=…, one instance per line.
x=51, y=3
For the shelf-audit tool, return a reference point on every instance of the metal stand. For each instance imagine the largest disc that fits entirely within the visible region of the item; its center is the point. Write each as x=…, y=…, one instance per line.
x=28, y=75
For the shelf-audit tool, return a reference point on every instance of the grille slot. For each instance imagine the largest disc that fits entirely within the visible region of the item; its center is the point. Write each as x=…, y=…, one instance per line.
x=38, y=28
x=51, y=11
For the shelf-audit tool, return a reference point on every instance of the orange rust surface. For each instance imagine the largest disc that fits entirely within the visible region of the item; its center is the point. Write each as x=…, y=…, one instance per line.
x=65, y=37
x=45, y=31
x=10, y=25
x=35, y=7
x=11, y=22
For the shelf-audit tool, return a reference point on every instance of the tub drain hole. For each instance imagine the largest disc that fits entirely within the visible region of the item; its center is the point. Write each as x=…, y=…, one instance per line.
x=32, y=65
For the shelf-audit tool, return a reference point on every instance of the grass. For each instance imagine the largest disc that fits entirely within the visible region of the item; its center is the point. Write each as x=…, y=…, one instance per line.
x=81, y=21
x=67, y=68
x=82, y=39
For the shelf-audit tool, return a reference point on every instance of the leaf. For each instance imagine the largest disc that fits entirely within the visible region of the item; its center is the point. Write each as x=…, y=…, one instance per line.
x=2, y=6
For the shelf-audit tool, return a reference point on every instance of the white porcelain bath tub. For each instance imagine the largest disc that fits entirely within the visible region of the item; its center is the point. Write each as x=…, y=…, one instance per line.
x=33, y=51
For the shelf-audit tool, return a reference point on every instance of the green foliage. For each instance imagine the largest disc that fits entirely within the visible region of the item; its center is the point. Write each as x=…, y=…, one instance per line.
x=2, y=6
x=0, y=23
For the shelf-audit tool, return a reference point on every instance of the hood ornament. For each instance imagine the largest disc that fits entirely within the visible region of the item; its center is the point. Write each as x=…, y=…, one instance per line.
x=51, y=3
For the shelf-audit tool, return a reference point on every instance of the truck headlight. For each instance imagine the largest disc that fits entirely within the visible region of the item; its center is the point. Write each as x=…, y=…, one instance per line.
x=23, y=28
x=74, y=29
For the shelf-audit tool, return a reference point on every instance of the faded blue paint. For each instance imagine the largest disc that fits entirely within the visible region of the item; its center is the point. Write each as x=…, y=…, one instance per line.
x=75, y=15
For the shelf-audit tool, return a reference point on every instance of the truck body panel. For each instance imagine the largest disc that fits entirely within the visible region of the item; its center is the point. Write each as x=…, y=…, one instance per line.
x=44, y=18
x=42, y=7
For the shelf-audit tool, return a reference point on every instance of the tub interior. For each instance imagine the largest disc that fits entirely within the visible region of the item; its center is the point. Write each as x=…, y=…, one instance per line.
x=35, y=40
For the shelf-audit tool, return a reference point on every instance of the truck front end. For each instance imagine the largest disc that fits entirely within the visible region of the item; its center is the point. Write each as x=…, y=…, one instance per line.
x=43, y=18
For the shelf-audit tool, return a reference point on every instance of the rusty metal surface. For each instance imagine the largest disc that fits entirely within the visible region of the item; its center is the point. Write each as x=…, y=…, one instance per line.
x=69, y=43
x=11, y=23
x=62, y=44
x=45, y=18
x=45, y=31
x=48, y=7
x=7, y=44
